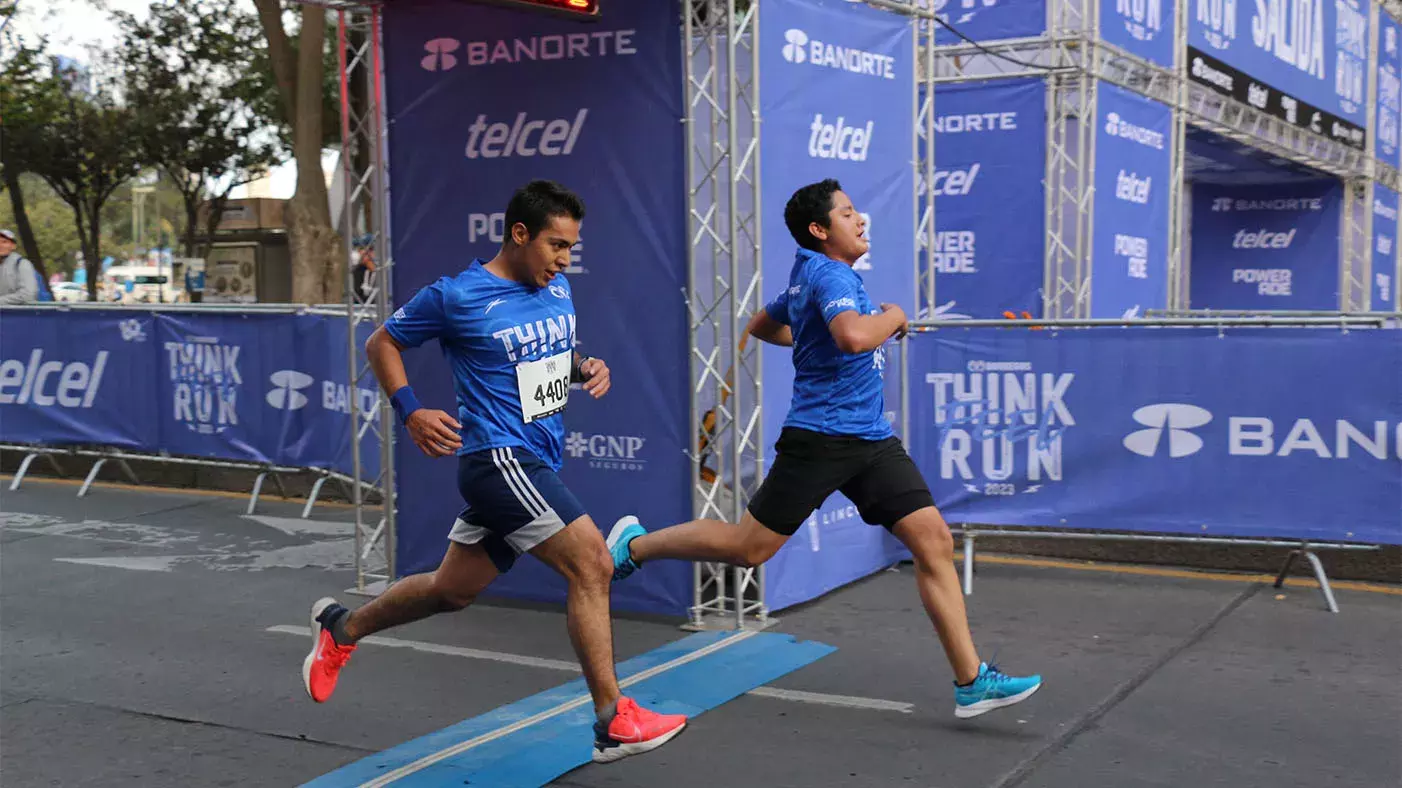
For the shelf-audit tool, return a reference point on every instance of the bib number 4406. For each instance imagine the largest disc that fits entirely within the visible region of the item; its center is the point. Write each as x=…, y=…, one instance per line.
x=544, y=386
x=552, y=393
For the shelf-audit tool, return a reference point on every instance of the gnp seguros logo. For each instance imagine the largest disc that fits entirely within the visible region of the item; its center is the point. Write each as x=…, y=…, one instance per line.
x=608, y=452
x=1173, y=419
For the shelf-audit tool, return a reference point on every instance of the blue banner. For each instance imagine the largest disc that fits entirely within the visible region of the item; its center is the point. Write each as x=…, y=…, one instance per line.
x=990, y=20
x=1291, y=433
x=1386, y=144
x=1140, y=27
x=1314, y=52
x=1266, y=247
x=79, y=377
x=1132, y=170
x=807, y=113
x=1384, y=279
x=471, y=121
x=990, y=151
x=261, y=388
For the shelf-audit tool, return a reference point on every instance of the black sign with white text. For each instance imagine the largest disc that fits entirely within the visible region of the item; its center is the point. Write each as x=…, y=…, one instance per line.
x=1207, y=70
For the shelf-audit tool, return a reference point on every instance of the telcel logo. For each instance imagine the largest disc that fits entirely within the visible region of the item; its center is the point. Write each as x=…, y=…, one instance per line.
x=1263, y=239
x=47, y=383
x=524, y=138
x=1131, y=188
x=839, y=140
x=954, y=183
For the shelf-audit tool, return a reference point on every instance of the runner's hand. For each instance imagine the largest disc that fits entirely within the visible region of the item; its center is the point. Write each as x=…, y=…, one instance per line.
x=434, y=432
x=904, y=327
x=596, y=377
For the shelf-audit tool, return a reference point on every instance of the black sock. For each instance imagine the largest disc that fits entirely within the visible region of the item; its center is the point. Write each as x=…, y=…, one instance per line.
x=606, y=715
x=337, y=627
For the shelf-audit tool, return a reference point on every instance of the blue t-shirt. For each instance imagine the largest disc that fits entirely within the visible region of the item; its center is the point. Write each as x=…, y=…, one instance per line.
x=834, y=393
x=487, y=327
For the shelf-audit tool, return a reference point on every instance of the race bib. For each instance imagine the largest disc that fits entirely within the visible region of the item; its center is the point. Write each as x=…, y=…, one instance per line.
x=544, y=385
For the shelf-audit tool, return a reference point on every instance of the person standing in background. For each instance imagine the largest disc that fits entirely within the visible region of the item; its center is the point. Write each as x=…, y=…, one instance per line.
x=194, y=281
x=19, y=284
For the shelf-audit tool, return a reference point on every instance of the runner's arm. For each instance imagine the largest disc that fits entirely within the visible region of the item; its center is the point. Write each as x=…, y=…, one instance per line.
x=423, y=318
x=854, y=332
x=766, y=328
x=386, y=360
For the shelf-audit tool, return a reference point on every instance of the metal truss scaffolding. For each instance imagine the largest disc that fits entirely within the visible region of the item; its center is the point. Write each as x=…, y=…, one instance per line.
x=1073, y=60
x=365, y=213
x=721, y=53
x=720, y=42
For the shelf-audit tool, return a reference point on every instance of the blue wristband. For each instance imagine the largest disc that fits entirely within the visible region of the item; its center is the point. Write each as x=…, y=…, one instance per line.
x=404, y=403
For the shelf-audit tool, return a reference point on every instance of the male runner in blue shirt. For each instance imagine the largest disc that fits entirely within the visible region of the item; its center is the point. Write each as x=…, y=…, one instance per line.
x=507, y=327
x=836, y=437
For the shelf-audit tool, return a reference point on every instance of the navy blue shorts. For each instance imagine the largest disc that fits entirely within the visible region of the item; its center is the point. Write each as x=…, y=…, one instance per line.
x=514, y=502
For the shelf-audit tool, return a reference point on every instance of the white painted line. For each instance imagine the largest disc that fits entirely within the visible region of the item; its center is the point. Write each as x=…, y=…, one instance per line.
x=796, y=696
x=460, y=748
x=150, y=564
x=296, y=526
x=452, y=651
x=824, y=699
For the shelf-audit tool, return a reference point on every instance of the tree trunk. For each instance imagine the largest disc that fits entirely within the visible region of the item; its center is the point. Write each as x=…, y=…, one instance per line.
x=317, y=263
x=192, y=223
x=91, y=265
x=26, y=232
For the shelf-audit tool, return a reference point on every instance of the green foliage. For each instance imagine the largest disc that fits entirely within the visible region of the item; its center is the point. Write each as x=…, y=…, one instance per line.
x=198, y=78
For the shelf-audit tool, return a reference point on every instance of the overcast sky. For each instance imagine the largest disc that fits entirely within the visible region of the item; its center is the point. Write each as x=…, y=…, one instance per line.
x=75, y=26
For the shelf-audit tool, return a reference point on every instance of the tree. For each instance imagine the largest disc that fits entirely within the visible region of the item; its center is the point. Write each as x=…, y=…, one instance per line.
x=192, y=72
x=28, y=103
x=86, y=153
x=300, y=71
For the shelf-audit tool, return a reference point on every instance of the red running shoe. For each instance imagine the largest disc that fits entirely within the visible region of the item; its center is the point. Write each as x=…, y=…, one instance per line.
x=323, y=665
x=634, y=730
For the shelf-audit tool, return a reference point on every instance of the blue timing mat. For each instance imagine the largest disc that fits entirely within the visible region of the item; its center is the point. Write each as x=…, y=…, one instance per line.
x=535, y=740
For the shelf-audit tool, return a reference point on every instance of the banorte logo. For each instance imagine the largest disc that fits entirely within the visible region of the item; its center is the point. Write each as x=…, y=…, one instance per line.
x=1174, y=419
x=796, y=42
x=286, y=393
x=440, y=57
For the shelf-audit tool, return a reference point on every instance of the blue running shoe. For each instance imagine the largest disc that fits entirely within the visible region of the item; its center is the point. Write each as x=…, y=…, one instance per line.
x=993, y=689
x=620, y=537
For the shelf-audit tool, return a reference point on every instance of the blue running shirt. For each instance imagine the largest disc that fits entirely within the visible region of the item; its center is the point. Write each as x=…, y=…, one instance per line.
x=834, y=393
x=511, y=348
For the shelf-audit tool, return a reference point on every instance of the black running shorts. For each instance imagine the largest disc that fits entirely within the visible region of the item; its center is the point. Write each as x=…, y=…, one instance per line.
x=878, y=476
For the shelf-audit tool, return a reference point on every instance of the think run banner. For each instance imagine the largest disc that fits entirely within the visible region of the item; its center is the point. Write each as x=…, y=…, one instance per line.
x=1289, y=433
x=825, y=118
x=259, y=388
x=481, y=101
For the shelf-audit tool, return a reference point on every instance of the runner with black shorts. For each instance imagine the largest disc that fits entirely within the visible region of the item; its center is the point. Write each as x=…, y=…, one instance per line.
x=507, y=329
x=836, y=438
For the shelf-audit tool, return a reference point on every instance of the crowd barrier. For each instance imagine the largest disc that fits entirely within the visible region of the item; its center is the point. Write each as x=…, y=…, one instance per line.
x=255, y=387
x=1259, y=430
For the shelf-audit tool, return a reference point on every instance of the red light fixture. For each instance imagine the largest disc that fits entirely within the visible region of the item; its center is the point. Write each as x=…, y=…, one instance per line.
x=581, y=9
